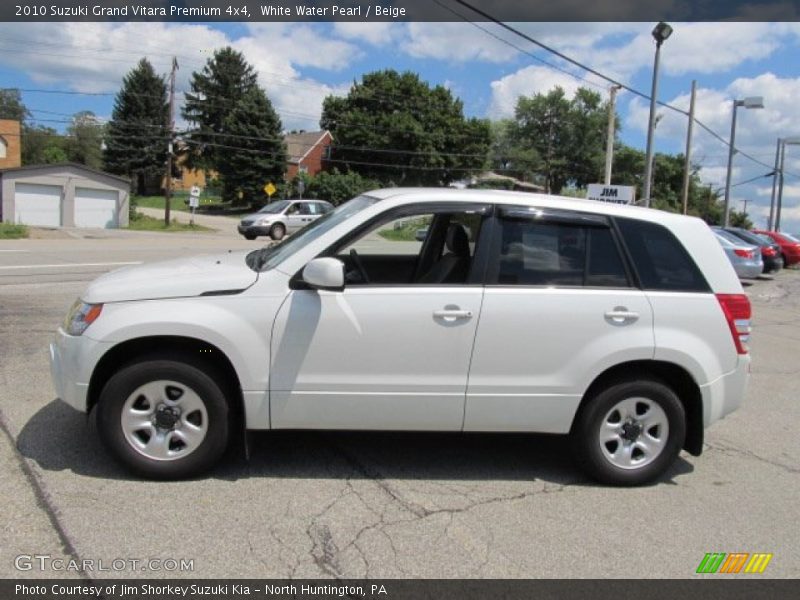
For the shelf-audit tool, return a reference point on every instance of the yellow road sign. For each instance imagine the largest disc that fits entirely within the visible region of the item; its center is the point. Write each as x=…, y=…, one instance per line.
x=270, y=189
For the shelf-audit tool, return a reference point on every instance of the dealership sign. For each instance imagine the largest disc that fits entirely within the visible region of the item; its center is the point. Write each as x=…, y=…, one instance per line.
x=618, y=194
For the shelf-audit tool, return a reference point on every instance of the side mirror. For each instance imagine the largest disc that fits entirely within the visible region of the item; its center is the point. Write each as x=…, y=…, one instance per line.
x=325, y=274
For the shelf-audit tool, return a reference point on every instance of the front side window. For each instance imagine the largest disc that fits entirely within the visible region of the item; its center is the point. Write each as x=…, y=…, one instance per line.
x=270, y=256
x=433, y=247
x=556, y=254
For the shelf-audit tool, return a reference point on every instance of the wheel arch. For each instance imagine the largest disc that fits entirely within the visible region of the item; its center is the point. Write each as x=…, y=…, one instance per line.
x=672, y=375
x=192, y=350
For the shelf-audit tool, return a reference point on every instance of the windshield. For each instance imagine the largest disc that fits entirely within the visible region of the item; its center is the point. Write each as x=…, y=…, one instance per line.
x=270, y=256
x=274, y=208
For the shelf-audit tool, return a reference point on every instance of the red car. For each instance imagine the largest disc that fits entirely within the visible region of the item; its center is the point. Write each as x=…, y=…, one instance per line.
x=790, y=246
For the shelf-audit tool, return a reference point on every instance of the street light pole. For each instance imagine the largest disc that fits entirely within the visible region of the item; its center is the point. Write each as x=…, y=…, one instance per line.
x=660, y=33
x=726, y=218
x=791, y=141
x=687, y=161
x=752, y=102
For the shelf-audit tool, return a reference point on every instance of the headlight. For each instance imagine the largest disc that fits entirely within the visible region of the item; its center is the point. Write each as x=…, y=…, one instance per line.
x=264, y=221
x=80, y=316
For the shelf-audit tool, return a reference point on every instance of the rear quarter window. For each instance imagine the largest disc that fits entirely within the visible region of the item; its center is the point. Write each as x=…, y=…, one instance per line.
x=659, y=258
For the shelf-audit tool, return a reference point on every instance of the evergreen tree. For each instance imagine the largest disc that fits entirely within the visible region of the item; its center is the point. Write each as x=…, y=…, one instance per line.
x=137, y=136
x=216, y=90
x=255, y=152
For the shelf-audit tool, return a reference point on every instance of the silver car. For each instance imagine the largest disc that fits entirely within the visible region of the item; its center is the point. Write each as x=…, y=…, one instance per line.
x=281, y=217
x=745, y=258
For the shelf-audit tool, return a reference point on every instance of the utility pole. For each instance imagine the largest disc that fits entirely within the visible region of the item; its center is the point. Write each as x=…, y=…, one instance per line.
x=612, y=118
x=771, y=223
x=171, y=130
x=687, y=165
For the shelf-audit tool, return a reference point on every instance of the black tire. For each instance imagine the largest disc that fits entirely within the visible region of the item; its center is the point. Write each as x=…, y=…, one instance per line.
x=586, y=432
x=277, y=232
x=250, y=236
x=131, y=377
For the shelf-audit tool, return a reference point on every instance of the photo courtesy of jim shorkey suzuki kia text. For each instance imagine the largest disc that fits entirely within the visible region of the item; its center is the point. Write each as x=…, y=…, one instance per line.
x=192, y=590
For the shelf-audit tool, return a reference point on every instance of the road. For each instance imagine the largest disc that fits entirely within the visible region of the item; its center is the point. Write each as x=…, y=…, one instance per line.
x=378, y=505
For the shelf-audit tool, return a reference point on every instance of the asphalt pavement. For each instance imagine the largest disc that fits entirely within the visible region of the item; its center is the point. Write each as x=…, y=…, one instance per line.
x=376, y=505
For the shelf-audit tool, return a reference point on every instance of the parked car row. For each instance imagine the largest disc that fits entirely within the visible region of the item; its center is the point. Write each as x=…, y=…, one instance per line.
x=755, y=252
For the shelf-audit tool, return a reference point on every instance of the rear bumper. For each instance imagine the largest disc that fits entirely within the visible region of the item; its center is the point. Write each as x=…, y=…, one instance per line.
x=726, y=393
x=749, y=270
x=772, y=263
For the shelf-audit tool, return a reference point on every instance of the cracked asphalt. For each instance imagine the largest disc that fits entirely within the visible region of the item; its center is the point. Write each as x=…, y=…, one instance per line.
x=335, y=504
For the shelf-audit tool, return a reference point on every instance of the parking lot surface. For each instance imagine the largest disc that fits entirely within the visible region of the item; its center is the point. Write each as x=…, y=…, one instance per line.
x=325, y=504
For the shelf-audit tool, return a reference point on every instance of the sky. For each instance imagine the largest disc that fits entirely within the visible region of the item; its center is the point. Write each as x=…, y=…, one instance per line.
x=299, y=64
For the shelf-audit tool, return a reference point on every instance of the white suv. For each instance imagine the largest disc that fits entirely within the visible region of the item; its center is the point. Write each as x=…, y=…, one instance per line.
x=624, y=327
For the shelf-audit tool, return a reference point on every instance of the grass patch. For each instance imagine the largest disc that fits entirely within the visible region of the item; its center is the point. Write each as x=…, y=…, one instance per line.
x=177, y=202
x=145, y=223
x=11, y=231
x=406, y=232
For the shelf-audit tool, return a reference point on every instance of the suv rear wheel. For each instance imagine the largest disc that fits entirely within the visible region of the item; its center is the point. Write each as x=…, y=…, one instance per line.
x=630, y=432
x=165, y=419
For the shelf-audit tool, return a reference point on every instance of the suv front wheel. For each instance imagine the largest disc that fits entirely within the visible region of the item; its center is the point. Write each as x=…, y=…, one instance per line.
x=165, y=419
x=630, y=432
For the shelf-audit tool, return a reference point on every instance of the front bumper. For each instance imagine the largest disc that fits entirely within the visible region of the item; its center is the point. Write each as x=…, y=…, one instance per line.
x=72, y=360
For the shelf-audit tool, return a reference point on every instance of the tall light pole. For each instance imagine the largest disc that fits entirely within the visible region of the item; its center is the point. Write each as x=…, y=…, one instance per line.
x=751, y=102
x=660, y=34
x=687, y=161
x=790, y=141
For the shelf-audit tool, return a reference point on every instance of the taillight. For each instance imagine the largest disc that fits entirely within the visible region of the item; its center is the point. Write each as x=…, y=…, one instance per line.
x=743, y=253
x=768, y=251
x=736, y=308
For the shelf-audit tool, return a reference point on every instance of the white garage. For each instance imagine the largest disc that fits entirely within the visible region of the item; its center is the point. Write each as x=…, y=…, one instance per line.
x=95, y=208
x=63, y=195
x=38, y=205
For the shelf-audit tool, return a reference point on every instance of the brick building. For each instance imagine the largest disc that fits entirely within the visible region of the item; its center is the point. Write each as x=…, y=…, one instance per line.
x=10, y=144
x=306, y=152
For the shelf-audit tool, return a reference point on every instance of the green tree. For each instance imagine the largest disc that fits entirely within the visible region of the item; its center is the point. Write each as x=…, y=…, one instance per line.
x=137, y=136
x=42, y=145
x=216, y=90
x=255, y=153
x=568, y=135
x=11, y=106
x=334, y=186
x=395, y=128
x=84, y=144
x=508, y=157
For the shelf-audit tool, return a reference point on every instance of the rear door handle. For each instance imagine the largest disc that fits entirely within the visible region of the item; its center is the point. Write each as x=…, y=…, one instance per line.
x=621, y=315
x=452, y=314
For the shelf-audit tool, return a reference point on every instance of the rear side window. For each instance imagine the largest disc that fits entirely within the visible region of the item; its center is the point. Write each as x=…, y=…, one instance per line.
x=557, y=254
x=660, y=259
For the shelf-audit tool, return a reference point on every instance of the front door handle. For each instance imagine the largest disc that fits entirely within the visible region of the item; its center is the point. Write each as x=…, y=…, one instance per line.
x=621, y=315
x=450, y=314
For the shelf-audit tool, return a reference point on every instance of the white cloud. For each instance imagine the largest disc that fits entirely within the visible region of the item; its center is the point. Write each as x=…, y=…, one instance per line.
x=94, y=57
x=757, y=132
x=375, y=33
x=455, y=42
x=526, y=82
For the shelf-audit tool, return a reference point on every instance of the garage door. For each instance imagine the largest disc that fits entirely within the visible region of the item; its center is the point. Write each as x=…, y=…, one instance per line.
x=95, y=208
x=37, y=204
